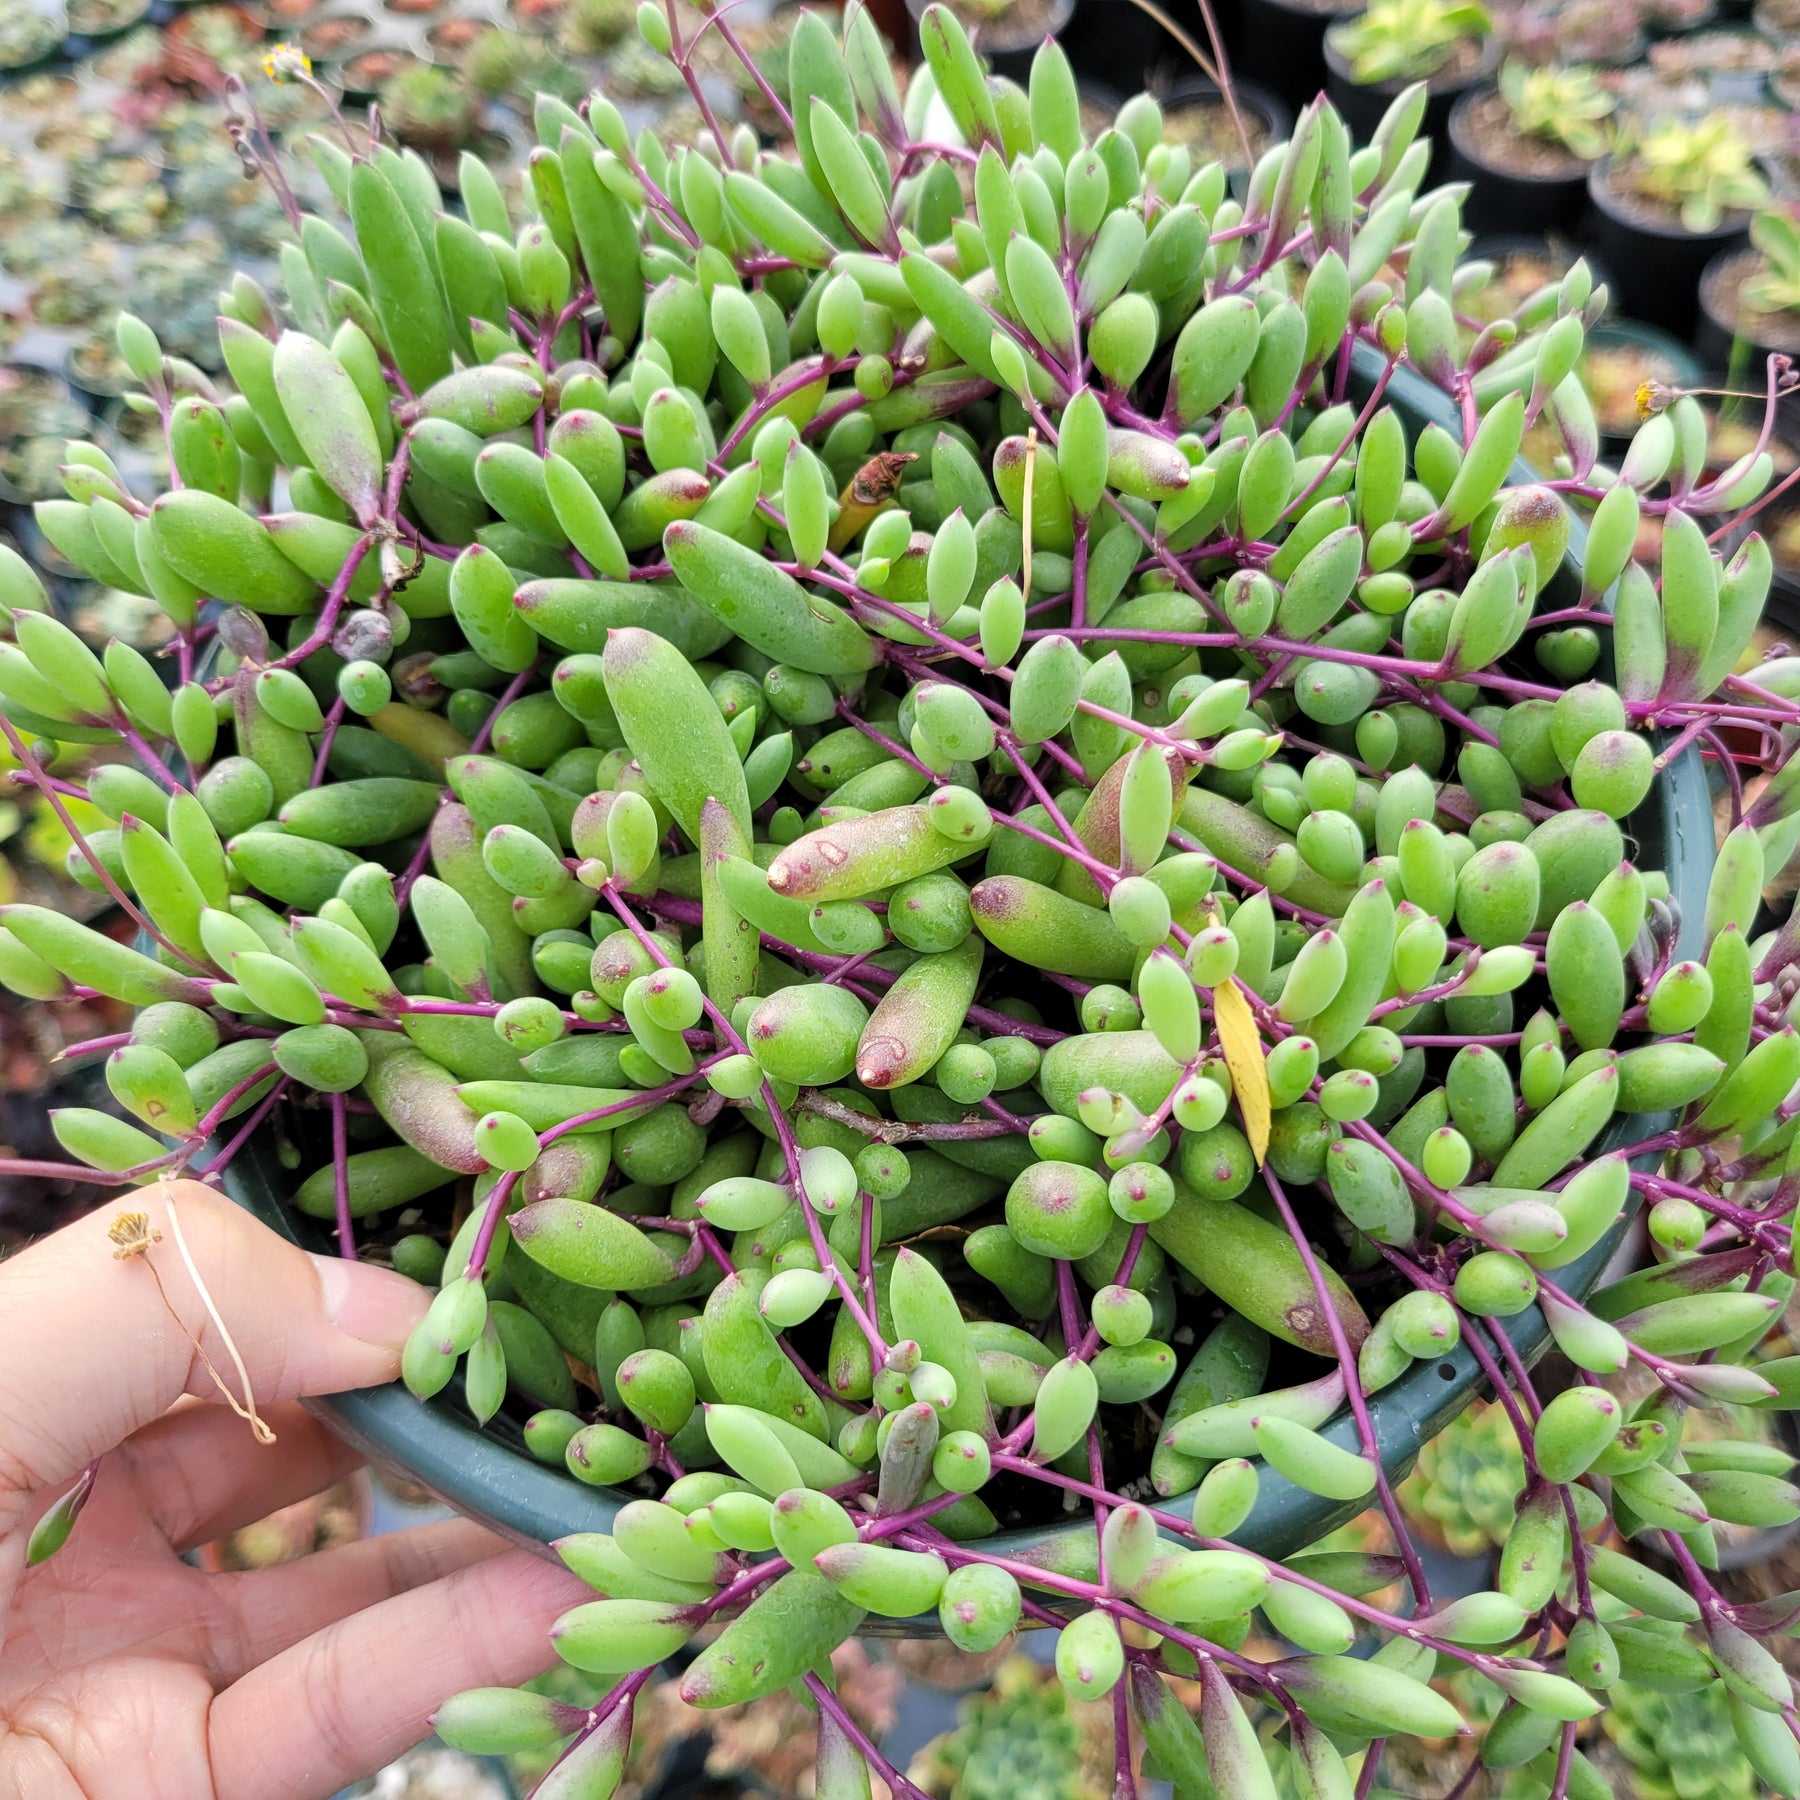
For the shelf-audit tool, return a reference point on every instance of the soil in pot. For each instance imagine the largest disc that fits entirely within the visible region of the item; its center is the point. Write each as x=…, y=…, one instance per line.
x=1735, y=63
x=1673, y=18
x=215, y=31
x=1656, y=262
x=37, y=97
x=1522, y=182
x=370, y=70
x=1599, y=31
x=75, y=137
x=1195, y=115
x=1618, y=360
x=1728, y=320
x=454, y=36
x=1522, y=267
x=334, y=39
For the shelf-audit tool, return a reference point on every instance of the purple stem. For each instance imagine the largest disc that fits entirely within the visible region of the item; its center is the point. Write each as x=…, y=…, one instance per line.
x=1365, y=1428
x=340, y=1178
x=897, y=1783
x=54, y=801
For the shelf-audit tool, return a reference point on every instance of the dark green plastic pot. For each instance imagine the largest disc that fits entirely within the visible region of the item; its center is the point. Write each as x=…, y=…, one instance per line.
x=490, y=1475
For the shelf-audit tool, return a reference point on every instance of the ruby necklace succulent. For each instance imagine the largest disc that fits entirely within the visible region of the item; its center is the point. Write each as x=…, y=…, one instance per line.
x=963, y=864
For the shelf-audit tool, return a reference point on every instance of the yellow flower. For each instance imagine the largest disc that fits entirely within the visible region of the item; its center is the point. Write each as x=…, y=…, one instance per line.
x=1654, y=397
x=286, y=62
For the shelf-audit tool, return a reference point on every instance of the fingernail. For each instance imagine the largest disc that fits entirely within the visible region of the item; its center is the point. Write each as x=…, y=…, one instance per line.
x=375, y=1305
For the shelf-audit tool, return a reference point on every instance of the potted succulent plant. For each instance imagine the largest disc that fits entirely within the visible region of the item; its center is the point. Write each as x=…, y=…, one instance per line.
x=1735, y=64
x=592, y=27
x=1751, y=297
x=1584, y=31
x=336, y=37
x=37, y=411
x=213, y=40
x=30, y=99
x=1447, y=44
x=124, y=195
x=1600, y=31
x=513, y=65
x=120, y=62
x=30, y=33
x=1675, y=18
x=101, y=19
x=31, y=187
x=1527, y=143
x=965, y=909
x=364, y=75
x=431, y=108
x=1670, y=196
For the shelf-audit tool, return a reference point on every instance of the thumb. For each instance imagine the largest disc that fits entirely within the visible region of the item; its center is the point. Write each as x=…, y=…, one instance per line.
x=93, y=1351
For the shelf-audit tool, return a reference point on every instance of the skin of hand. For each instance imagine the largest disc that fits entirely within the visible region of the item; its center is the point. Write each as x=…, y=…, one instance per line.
x=124, y=1672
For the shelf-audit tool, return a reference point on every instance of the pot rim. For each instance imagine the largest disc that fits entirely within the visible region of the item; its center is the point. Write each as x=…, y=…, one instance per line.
x=1326, y=15
x=491, y=1477
x=1600, y=191
x=1714, y=272
x=1435, y=87
x=1061, y=12
x=1252, y=96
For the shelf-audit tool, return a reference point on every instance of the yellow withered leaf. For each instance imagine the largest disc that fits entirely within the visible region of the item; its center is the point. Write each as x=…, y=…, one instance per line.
x=1242, y=1044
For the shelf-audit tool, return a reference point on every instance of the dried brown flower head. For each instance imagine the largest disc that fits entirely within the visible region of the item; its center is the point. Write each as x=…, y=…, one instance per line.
x=132, y=1235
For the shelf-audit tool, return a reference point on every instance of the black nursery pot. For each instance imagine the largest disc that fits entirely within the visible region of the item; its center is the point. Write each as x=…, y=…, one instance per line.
x=1281, y=47
x=1658, y=266
x=1363, y=106
x=489, y=1475
x=1007, y=43
x=1501, y=200
x=1120, y=46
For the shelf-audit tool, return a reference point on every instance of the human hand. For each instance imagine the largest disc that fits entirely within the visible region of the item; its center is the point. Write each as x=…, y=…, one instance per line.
x=123, y=1670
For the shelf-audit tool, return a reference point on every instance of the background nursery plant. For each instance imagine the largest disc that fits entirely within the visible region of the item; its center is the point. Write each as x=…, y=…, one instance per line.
x=959, y=868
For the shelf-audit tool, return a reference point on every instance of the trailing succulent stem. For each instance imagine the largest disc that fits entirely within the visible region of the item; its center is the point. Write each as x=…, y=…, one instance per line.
x=969, y=859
